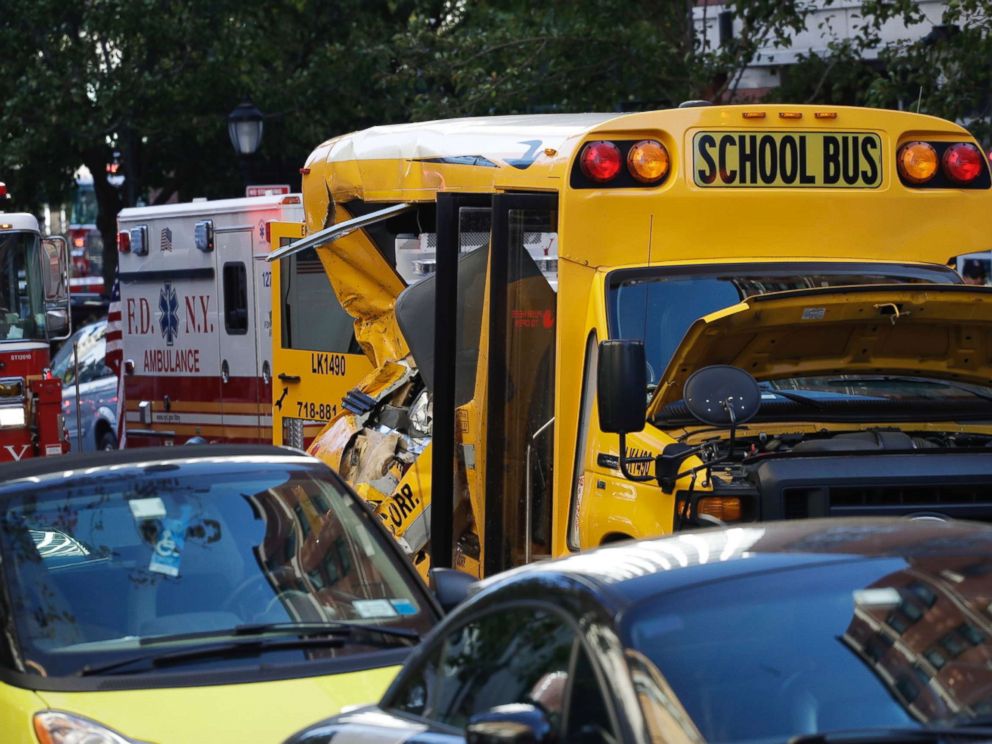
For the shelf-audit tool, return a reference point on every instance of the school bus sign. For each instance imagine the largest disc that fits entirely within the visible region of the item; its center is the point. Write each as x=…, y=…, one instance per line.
x=787, y=160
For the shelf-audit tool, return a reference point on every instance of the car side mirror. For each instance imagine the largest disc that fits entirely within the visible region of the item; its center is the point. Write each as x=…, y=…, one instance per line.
x=622, y=386
x=517, y=723
x=450, y=586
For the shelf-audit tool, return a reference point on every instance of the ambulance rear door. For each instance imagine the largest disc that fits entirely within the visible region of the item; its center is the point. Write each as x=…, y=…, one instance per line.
x=168, y=304
x=237, y=334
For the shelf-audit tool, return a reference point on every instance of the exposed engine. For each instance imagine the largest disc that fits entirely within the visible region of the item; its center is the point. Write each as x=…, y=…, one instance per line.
x=873, y=472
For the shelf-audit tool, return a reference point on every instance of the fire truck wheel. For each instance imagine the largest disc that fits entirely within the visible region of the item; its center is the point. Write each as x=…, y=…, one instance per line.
x=107, y=441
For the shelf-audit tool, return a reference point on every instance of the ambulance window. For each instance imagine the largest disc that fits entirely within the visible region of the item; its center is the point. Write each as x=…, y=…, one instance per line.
x=235, y=299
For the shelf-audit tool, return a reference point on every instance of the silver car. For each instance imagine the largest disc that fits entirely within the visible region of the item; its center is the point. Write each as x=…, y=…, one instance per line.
x=97, y=389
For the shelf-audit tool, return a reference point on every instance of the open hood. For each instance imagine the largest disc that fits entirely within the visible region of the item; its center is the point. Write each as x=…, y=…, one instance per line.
x=942, y=331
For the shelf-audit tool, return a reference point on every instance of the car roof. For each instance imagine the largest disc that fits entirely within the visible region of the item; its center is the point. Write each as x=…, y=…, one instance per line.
x=631, y=571
x=42, y=466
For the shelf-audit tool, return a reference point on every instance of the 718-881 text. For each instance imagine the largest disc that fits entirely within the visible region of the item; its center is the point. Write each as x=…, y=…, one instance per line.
x=315, y=411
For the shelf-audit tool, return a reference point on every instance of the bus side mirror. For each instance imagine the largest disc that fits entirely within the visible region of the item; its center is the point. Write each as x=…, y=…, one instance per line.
x=622, y=386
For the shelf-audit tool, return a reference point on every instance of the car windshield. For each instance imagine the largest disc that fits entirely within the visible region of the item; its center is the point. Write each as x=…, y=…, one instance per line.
x=657, y=306
x=884, y=643
x=100, y=565
x=22, y=311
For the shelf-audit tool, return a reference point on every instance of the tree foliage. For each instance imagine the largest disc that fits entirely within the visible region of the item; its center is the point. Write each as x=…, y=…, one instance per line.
x=157, y=78
x=945, y=70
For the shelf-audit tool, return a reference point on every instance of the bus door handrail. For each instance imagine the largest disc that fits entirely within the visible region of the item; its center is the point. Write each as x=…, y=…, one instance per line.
x=528, y=494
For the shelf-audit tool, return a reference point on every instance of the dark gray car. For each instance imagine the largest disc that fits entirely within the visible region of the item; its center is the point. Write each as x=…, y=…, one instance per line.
x=771, y=633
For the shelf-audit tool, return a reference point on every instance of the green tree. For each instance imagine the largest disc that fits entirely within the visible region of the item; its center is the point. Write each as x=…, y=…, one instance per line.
x=155, y=79
x=946, y=71
x=511, y=56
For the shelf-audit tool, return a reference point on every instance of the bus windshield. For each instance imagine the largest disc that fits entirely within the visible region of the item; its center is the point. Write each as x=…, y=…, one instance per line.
x=658, y=305
x=22, y=307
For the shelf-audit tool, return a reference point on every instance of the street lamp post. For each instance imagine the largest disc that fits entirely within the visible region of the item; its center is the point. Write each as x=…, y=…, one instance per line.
x=244, y=126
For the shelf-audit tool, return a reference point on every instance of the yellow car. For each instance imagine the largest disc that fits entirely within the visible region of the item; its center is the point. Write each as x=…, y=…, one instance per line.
x=191, y=594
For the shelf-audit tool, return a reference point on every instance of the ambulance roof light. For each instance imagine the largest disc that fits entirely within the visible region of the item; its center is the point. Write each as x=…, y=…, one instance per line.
x=203, y=235
x=139, y=240
x=123, y=242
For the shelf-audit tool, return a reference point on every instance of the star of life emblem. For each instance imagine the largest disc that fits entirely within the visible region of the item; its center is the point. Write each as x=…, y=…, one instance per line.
x=168, y=305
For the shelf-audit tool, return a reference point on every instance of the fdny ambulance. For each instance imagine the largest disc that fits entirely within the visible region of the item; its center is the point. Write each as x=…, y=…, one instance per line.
x=34, y=311
x=196, y=316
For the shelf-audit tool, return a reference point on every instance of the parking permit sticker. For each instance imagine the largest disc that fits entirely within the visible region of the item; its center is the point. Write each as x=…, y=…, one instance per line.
x=404, y=606
x=814, y=313
x=374, y=608
x=153, y=508
x=169, y=549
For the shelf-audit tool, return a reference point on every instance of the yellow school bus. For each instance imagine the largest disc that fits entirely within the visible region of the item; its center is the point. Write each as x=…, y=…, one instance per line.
x=523, y=285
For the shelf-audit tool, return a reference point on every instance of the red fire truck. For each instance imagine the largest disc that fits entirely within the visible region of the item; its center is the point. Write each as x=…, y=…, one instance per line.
x=34, y=311
x=85, y=242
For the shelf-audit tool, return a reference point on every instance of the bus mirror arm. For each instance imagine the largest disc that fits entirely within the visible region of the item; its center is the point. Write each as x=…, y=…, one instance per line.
x=682, y=451
x=626, y=461
x=667, y=464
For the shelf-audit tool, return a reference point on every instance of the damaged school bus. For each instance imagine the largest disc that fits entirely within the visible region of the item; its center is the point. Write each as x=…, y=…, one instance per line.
x=523, y=285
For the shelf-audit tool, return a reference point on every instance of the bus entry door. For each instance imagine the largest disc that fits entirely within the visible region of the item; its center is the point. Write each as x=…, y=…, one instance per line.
x=499, y=445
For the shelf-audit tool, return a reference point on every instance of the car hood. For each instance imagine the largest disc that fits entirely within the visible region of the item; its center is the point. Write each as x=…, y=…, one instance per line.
x=222, y=714
x=940, y=331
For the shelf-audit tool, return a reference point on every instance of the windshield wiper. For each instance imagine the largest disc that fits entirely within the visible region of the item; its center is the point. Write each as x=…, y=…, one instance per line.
x=794, y=397
x=230, y=648
x=884, y=735
x=978, y=393
x=970, y=722
x=299, y=629
x=317, y=635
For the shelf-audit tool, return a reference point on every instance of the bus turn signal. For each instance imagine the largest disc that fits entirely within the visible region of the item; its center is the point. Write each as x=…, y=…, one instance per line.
x=724, y=508
x=647, y=161
x=917, y=162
